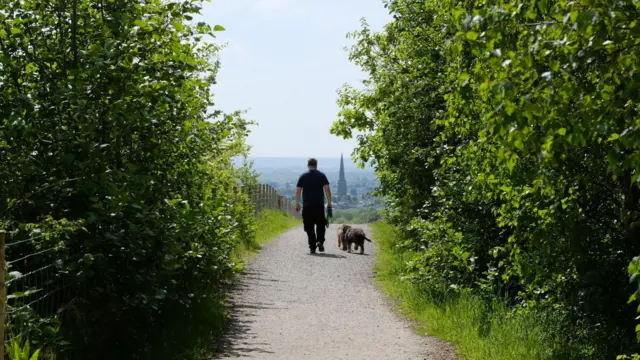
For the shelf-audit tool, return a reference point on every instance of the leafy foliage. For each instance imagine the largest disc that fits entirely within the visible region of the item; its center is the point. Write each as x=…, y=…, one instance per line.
x=19, y=349
x=356, y=216
x=506, y=136
x=109, y=151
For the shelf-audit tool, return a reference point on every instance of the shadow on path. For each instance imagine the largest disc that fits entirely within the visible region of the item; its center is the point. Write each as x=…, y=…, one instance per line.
x=239, y=341
x=331, y=256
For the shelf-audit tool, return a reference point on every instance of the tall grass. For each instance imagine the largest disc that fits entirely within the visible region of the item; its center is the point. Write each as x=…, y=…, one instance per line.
x=271, y=223
x=480, y=329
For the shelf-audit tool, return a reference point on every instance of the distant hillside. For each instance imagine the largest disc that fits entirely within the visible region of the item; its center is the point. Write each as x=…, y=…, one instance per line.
x=325, y=164
x=287, y=169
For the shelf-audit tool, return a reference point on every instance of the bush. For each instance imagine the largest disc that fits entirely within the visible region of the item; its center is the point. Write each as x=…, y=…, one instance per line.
x=356, y=216
x=505, y=136
x=108, y=149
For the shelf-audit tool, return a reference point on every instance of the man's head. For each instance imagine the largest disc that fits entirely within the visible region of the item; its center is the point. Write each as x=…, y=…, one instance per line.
x=312, y=163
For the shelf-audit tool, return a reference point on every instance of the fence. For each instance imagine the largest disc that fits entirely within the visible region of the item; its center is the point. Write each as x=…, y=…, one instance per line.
x=266, y=197
x=32, y=285
x=33, y=281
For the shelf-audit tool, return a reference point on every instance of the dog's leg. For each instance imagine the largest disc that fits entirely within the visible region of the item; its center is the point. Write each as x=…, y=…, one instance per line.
x=349, y=246
x=362, y=248
x=339, y=240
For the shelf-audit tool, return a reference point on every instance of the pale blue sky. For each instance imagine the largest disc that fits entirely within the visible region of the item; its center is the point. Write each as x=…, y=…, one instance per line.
x=283, y=63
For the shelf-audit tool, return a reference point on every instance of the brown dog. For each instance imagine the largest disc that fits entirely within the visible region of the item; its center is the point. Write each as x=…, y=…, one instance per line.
x=351, y=235
x=341, y=231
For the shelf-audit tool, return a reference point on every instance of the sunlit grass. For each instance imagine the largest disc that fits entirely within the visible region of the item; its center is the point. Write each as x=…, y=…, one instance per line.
x=480, y=331
x=271, y=223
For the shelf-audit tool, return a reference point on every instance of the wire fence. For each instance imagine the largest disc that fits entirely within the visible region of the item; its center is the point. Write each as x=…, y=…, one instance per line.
x=34, y=277
x=34, y=283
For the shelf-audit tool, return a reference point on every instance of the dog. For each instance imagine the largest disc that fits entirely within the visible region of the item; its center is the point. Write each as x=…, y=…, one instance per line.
x=348, y=235
x=341, y=230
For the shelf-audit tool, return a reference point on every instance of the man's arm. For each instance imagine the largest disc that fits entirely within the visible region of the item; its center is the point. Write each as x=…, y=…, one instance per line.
x=298, y=192
x=327, y=189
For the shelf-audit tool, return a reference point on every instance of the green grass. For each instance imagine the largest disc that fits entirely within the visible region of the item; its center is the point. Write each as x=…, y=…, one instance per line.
x=478, y=331
x=271, y=223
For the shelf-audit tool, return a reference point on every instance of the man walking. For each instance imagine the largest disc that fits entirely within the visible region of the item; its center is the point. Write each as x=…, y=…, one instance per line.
x=313, y=184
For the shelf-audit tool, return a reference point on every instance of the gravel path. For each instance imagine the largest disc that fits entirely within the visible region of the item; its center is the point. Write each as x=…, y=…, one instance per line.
x=292, y=305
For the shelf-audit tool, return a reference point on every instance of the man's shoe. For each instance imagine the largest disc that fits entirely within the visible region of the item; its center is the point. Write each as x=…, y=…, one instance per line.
x=321, y=247
x=312, y=251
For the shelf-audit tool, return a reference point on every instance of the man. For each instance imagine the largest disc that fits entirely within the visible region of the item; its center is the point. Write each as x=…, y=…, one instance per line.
x=313, y=184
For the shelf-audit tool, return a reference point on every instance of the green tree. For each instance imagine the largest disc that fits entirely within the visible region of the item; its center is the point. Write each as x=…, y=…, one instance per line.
x=506, y=139
x=108, y=149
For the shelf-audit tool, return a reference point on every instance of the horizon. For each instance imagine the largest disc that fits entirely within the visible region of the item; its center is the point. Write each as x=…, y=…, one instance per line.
x=300, y=161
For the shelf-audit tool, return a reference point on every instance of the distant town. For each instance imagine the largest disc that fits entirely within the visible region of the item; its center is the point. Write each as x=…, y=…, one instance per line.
x=357, y=183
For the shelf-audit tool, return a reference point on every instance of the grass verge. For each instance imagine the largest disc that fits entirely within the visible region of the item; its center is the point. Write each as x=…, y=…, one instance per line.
x=270, y=224
x=480, y=331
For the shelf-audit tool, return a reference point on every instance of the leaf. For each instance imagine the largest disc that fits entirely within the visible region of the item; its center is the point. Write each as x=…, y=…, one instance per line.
x=613, y=137
x=472, y=35
x=562, y=131
x=31, y=67
x=218, y=28
x=177, y=25
x=36, y=355
x=16, y=295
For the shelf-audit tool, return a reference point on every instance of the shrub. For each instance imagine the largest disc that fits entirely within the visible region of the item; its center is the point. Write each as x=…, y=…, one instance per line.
x=505, y=136
x=108, y=149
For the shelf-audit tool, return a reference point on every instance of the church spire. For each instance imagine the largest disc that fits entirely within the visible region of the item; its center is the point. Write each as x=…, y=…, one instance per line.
x=342, y=182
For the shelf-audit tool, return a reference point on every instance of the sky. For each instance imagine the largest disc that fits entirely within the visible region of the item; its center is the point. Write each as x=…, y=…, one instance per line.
x=283, y=63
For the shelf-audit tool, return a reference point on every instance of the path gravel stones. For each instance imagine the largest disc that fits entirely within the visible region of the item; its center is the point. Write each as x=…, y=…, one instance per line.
x=292, y=305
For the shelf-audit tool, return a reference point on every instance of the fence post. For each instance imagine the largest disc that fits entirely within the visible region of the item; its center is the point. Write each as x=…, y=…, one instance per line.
x=2, y=293
x=273, y=198
x=268, y=196
x=258, y=198
x=255, y=191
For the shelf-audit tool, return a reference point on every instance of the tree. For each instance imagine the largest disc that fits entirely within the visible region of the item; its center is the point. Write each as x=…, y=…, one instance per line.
x=505, y=136
x=108, y=149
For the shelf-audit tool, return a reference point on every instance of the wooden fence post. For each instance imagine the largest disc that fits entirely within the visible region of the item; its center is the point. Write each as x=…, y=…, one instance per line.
x=273, y=198
x=269, y=197
x=265, y=200
x=255, y=199
x=2, y=292
x=264, y=197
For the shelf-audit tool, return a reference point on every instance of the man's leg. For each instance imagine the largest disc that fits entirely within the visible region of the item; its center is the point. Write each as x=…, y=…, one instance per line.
x=320, y=224
x=308, y=221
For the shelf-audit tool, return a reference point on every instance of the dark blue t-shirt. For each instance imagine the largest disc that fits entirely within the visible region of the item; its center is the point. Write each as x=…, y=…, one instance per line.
x=312, y=183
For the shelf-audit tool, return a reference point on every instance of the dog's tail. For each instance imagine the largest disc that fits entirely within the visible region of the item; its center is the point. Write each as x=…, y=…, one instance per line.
x=366, y=238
